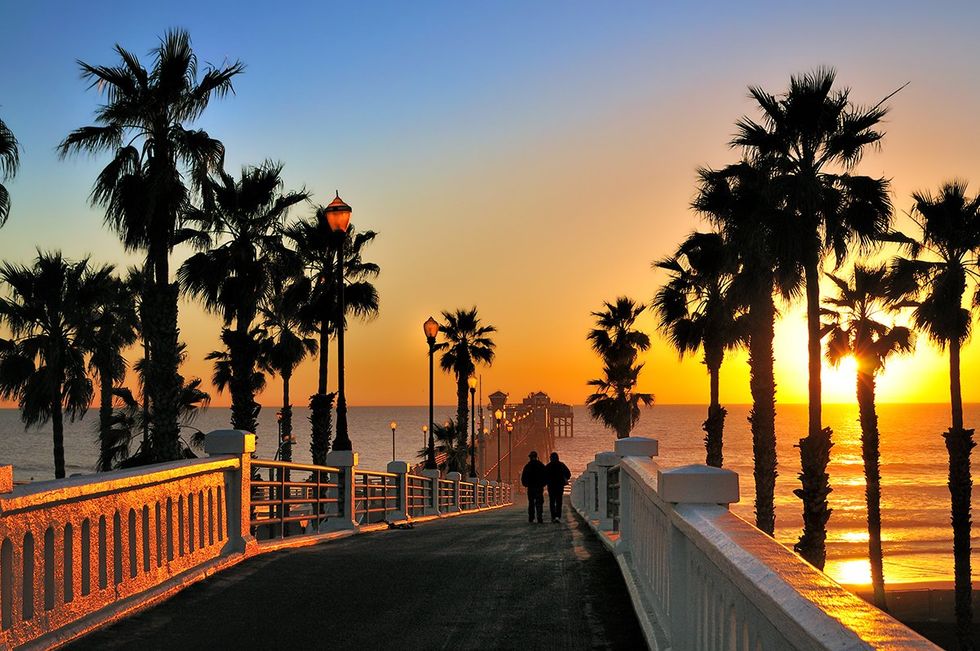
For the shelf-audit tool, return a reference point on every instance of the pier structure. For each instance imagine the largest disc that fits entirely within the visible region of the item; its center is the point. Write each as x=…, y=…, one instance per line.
x=536, y=422
x=650, y=556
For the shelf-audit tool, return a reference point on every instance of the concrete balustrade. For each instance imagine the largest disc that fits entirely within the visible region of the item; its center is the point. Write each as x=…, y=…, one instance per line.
x=78, y=553
x=702, y=578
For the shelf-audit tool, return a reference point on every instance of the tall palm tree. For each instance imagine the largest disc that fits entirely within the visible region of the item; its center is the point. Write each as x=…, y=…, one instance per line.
x=287, y=340
x=157, y=160
x=241, y=219
x=813, y=135
x=697, y=312
x=615, y=401
x=49, y=313
x=9, y=162
x=853, y=330
x=114, y=328
x=317, y=248
x=934, y=279
x=740, y=201
x=466, y=343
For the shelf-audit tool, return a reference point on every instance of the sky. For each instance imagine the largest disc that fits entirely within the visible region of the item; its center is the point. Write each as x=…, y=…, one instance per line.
x=530, y=159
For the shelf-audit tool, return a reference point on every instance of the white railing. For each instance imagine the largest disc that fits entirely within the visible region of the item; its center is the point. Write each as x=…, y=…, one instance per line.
x=700, y=577
x=80, y=552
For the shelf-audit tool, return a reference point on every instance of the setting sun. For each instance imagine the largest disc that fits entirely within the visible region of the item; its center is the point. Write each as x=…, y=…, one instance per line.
x=839, y=382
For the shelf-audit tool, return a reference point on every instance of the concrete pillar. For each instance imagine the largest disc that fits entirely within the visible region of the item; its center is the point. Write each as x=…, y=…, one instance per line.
x=487, y=497
x=592, y=490
x=476, y=484
x=604, y=461
x=432, y=508
x=6, y=479
x=400, y=468
x=637, y=446
x=238, y=485
x=345, y=461
x=698, y=484
x=455, y=478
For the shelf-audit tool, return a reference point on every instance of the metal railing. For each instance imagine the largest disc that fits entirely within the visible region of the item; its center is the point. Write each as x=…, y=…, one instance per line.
x=419, y=496
x=295, y=498
x=375, y=496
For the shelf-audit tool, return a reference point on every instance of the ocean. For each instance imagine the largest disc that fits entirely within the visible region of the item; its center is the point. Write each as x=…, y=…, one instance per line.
x=917, y=537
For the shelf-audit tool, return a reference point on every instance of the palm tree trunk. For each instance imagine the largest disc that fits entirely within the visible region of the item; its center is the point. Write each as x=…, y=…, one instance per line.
x=872, y=480
x=815, y=448
x=321, y=403
x=762, y=418
x=58, y=432
x=163, y=379
x=715, y=424
x=959, y=443
x=243, y=352
x=105, y=417
x=462, y=410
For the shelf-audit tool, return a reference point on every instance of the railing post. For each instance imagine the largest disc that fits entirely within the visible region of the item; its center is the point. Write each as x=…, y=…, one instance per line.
x=345, y=461
x=400, y=468
x=476, y=482
x=592, y=490
x=238, y=485
x=455, y=478
x=487, y=495
x=604, y=461
x=694, y=484
x=432, y=508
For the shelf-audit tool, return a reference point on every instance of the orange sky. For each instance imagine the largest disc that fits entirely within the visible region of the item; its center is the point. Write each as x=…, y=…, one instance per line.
x=533, y=185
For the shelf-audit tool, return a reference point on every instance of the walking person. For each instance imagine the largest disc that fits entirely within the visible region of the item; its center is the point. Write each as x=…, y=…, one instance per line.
x=533, y=477
x=557, y=475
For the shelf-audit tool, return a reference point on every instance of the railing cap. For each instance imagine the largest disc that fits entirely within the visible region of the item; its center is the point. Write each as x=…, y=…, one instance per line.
x=637, y=446
x=454, y=476
x=342, y=458
x=400, y=467
x=607, y=459
x=229, y=441
x=698, y=484
x=432, y=473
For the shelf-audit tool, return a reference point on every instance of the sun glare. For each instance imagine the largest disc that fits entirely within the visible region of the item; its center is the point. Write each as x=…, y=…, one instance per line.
x=850, y=572
x=839, y=381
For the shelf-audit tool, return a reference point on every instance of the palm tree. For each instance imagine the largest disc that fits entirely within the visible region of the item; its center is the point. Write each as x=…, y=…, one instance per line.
x=287, y=342
x=241, y=219
x=739, y=200
x=449, y=447
x=812, y=136
x=853, y=330
x=114, y=328
x=317, y=249
x=934, y=280
x=144, y=187
x=48, y=313
x=697, y=311
x=615, y=401
x=466, y=343
x=9, y=162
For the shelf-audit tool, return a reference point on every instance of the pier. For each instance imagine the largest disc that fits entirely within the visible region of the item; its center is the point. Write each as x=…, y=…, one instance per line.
x=230, y=550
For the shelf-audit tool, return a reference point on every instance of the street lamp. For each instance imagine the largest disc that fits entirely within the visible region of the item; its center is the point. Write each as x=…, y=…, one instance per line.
x=431, y=329
x=472, y=382
x=393, y=425
x=337, y=214
x=498, y=414
x=510, y=451
x=425, y=428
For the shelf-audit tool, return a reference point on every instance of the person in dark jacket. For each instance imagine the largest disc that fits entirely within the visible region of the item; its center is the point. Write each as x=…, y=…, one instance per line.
x=557, y=476
x=533, y=478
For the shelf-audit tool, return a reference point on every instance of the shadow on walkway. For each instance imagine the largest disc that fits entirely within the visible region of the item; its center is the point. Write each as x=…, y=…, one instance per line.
x=487, y=581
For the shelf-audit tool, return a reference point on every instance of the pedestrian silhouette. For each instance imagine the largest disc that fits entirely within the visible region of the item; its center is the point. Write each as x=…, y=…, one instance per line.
x=557, y=475
x=533, y=478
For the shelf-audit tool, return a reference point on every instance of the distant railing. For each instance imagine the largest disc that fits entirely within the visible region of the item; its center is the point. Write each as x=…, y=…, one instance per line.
x=702, y=578
x=78, y=552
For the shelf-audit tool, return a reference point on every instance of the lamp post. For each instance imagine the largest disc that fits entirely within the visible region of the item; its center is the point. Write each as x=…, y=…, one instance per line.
x=484, y=436
x=393, y=425
x=337, y=214
x=472, y=383
x=510, y=451
x=497, y=415
x=431, y=329
x=425, y=428
x=280, y=450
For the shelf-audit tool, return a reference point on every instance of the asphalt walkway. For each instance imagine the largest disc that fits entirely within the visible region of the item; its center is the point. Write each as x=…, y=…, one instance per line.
x=482, y=581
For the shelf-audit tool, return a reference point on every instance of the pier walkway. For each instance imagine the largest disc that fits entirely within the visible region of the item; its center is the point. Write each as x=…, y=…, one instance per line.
x=488, y=581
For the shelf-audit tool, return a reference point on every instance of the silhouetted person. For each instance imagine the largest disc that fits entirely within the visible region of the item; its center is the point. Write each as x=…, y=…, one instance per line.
x=533, y=477
x=556, y=475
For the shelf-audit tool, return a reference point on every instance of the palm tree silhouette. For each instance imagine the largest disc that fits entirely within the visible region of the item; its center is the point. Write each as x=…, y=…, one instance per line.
x=144, y=124
x=316, y=247
x=9, y=162
x=812, y=135
x=853, y=330
x=741, y=202
x=466, y=344
x=615, y=402
x=49, y=314
x=934, y=280
x=241, y=218
x=697, y=311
